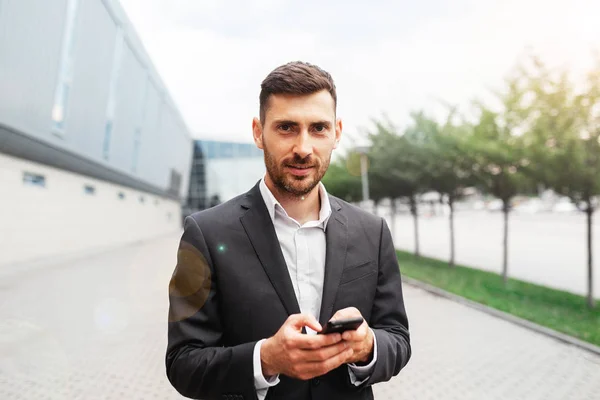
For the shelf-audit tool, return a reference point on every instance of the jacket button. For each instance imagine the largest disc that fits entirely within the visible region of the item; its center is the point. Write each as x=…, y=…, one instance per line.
x=316, y=381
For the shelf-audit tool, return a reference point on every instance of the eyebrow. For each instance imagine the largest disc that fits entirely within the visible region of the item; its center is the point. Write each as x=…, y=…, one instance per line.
x=293, y=123
x=285, y=122
x=326, y=123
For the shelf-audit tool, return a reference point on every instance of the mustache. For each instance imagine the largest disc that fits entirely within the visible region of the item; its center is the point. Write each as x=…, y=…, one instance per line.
x=297, y=160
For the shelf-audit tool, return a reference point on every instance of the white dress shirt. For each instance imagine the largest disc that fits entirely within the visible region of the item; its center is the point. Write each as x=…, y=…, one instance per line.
x=303, y=247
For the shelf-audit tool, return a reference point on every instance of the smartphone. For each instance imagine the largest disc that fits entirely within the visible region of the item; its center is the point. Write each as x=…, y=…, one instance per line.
x=341, y=325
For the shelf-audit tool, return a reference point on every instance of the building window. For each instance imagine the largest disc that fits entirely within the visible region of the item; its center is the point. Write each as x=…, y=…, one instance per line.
x=121, y=195
x=34, y=179
x=111, y=106
x=210, y=150
x=89, y=189
x=226, y=150
x=65, y=71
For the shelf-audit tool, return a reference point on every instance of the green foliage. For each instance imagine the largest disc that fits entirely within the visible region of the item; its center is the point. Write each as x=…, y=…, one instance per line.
x=395, y=169
x=555, y=309
x=444, y=159
x=565, y=141
x=565, y=134
x=340, y=182
x=500, y=161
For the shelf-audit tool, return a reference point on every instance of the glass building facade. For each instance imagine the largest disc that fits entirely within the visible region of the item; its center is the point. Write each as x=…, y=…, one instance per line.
x=221, y=171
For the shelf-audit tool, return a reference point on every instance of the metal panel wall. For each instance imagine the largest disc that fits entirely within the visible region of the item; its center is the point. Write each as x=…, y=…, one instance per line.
x=183, y=161
x=168, y=132
x=180, y=162
x=94, y=50
x=144, y=146
x=130, y=103
x=30, y=44
x=148, y=156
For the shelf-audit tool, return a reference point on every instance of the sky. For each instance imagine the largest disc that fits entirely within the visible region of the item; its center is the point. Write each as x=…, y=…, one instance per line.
x=387, y=58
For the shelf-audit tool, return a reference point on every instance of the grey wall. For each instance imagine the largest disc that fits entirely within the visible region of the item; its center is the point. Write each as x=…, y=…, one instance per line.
x=31, y=37
x=131, y=99
x=95, y=33
x=30, y=43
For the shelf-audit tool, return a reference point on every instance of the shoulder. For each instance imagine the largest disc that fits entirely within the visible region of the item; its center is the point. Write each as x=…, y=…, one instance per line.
x=356, y=214
x=222, y=214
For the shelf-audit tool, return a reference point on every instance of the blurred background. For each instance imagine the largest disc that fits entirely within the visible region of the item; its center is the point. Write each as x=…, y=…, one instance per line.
x=472, y=127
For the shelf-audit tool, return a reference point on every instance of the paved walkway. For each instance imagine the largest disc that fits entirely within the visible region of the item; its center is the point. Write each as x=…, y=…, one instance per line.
x=95, y=329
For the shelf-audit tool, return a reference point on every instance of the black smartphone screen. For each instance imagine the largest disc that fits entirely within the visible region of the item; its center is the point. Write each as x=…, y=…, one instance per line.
x=341, y=325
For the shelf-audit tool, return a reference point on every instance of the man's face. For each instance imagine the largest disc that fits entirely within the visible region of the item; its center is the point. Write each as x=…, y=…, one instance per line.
x=298, y=137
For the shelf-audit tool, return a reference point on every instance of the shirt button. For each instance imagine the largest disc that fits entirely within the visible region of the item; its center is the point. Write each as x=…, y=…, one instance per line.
x=316, y=381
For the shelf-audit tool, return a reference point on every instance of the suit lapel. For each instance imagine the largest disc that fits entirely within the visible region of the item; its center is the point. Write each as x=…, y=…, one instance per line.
x=335, y=258
x=261, y=232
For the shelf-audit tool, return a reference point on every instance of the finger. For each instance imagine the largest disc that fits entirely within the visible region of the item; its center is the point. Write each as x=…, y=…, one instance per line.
x=311, y=342
x=324, y=353
x=298, y=321
x=348, y=312
x=337, y=360
x=356, y=335
x=318, y=368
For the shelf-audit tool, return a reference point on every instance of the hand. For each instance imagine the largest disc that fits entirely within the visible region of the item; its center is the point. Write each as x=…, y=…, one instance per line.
x=360, y=340
x=302, y=356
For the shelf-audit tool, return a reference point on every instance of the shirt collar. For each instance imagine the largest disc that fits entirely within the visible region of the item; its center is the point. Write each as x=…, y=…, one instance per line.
x=274, y=207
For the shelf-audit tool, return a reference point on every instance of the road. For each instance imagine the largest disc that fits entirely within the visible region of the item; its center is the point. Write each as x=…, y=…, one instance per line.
x=548, y=249
x=95, y=328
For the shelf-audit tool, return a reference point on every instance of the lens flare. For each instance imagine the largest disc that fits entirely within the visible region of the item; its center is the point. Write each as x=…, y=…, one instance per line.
x=190, y=283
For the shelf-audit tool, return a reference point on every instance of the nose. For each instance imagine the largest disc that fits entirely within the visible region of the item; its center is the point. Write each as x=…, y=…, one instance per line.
x=303, y=145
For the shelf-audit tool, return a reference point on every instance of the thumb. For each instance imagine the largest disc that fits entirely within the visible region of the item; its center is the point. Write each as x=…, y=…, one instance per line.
x=299, y=321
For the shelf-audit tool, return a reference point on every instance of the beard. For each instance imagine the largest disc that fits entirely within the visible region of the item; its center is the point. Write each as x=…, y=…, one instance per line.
x=289, y=183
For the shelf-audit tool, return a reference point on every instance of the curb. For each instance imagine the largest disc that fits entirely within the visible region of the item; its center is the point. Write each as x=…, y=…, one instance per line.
x=503, y=315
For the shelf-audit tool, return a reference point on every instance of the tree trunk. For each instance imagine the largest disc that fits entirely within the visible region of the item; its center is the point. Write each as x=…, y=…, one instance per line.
x=451, y=205
x=415, y=214
x=590, y=213
x=505, y=210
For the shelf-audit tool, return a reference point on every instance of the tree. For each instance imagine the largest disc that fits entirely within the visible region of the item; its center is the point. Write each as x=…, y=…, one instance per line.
x=445, y=165
x=395, y=170
x=499, y=159
x=565, y=142
x=341, y=181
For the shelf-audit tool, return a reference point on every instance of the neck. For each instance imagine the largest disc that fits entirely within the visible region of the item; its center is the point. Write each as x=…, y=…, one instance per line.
x=301, y=208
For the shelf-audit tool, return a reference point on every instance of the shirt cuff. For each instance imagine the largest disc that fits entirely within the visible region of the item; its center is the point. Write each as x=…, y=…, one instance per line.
x=261, y=384
x=360, y=374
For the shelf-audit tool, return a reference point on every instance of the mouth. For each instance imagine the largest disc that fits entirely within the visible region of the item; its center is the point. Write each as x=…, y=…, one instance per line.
x=300, y=170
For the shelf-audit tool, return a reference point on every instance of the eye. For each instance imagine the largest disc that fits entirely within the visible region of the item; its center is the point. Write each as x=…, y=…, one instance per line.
x=320, y=128
x=285, y=127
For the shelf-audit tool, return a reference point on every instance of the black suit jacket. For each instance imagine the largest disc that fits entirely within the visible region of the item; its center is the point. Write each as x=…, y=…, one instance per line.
x=231, y=288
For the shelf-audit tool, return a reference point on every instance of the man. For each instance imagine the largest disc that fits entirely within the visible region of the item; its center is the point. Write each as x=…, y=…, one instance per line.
x=258, y=276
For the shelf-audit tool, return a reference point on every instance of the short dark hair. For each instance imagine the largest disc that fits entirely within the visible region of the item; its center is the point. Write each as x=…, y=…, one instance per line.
x=296, y=78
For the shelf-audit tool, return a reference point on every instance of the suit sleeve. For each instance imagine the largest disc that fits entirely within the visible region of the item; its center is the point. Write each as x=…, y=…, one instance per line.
x=388, y=316
x=197, y=364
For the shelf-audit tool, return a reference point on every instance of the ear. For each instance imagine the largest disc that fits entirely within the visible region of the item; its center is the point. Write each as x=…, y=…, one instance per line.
x=338, y=133
x=257, y=133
